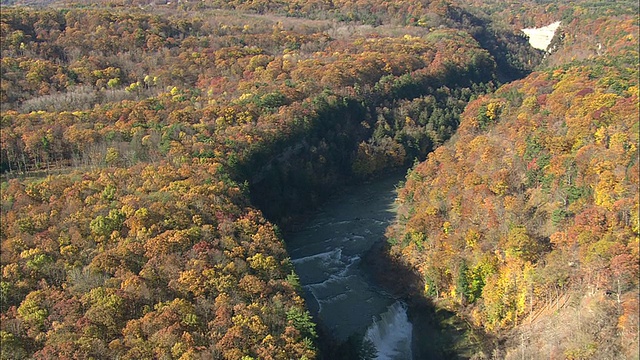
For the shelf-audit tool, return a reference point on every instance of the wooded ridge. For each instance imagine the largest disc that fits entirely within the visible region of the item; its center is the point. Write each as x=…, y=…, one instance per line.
x=140, y=140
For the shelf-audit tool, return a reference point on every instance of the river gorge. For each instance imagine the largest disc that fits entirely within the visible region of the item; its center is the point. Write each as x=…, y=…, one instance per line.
x=328, y=253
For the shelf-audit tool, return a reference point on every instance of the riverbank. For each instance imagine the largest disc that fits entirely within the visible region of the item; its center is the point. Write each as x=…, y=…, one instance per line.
x=348, y=235
x=328, y=251
x=438, y=334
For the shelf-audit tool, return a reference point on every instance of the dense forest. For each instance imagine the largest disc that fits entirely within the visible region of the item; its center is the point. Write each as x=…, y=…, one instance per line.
x=526, y=222
x=148, y=151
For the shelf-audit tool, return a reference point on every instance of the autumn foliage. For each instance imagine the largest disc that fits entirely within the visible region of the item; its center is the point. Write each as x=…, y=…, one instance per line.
x=535, y=201
x=139, y=140
x=135, y=146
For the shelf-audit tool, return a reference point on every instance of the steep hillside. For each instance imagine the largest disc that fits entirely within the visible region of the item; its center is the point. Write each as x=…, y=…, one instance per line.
x=137, y=144
x=169, y=262
x=526, y=222
x=139, y=140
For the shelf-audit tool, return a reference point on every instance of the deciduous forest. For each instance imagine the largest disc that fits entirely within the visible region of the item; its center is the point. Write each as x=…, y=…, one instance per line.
x=526, y=222
x=153, y=154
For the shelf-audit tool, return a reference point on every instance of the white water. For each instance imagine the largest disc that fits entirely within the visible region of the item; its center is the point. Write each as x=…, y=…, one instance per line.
x=327, y=255
x=391, y=334
x=540, y=38
x=327, y=258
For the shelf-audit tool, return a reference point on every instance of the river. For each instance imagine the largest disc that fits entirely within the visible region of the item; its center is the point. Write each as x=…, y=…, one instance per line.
x=327, y=254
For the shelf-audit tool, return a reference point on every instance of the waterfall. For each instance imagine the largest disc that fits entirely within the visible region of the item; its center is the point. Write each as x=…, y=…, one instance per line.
x=391, y=334
x=540, y=38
